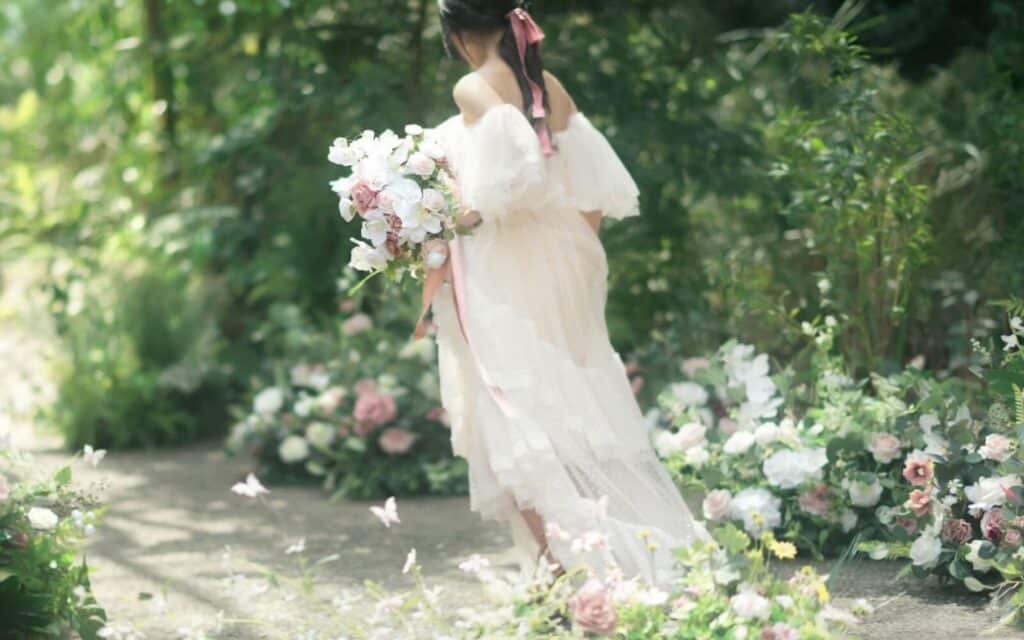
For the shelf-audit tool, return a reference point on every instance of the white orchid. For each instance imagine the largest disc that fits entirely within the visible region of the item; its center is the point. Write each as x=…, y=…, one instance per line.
x=367, y=258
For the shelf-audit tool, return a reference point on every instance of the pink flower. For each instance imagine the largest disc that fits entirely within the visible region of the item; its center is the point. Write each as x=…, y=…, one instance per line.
x=438, y=414
x=591, y=608
x=956, y=531
x=363, y=197
x=373, y=409
x=728, y=426
x=920, y=502
x=347, y=305
x=919, y=468
x=396, y=440
x=992, y=525
x=632, y=367
x=909, y=524
x=997, y=447
x=815, y=500
x=885, y=447
x=780, y=631
x=636, y=384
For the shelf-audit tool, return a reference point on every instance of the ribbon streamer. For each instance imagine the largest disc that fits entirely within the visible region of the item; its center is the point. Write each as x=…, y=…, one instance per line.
x=528, y=32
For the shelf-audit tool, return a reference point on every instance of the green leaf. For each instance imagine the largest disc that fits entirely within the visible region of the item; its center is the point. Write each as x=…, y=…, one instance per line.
x=62, y=476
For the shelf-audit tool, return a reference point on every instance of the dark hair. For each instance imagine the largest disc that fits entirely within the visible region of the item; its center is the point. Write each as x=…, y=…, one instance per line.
x=487, y=16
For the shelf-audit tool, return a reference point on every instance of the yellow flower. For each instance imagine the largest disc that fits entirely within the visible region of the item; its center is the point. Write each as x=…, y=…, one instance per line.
x=653, y=546
x=644, y=534
x=822, y=592
x=783, y=550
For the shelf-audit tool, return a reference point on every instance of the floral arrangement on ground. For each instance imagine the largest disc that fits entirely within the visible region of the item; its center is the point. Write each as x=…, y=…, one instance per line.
x=894, y=466
x=365, y=420
x=44, y=579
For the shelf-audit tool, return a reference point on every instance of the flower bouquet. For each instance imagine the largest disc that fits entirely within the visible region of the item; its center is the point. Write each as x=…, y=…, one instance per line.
x=404, y=192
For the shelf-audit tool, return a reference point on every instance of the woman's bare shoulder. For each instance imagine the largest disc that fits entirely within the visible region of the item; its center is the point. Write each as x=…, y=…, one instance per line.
x=474, y=96
x=562, y=104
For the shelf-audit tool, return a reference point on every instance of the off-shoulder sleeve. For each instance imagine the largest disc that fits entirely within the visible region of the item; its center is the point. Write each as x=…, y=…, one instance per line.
x=592, y=173
x=500, y=165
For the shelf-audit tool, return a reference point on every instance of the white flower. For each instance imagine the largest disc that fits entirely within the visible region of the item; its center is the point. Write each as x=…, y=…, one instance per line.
x=738, y=443
x=432, y=149
x=756, y=500
x=304, y=405
x=474, y=564
x=1011, y=342
x=1017, y=324
x=413, y=130
x=848, y=520
x=863, y=493
x=788, y=469
x=367, y=258
x=387, y=514
x=42, y=518
x=666, y=443
x=320, y=435
x=251, y=488
x=269, y=401
x=928, y=421
x=342, y=153
x=421, y=164
x=589, y=541
x=689, y=394
x=748, y=604
x=293, y=449
x=554, y=532
x=297, y=547
x=375, y=229
x=356, y=323
x=989, y=492
x=93, y=456
x=981, y=565
x=689, y=436
x=696, y=457
x=418, y=222
x=925, y=550
x=410, y=561
x=433, y=200
x=716, y=504
x=766, y=433
x=997, y=447
x=420, y=349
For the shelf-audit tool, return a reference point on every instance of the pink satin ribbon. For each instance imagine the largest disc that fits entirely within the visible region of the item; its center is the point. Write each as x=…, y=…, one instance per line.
x=528, y=32
x=434, y=279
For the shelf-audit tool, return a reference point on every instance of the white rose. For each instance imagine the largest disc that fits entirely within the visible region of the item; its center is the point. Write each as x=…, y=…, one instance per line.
x=420, y=164
x=320, y=435
x=739, y=443
x=433, y=200
x=988, y=492
x=691, y=435
x=689, y=394
x=269, y=401
x=928, y=421
x=789, y=469
x=766, y=433
x=42, y=518
x=981, y=565
x=925, y=550
x=997, y=447
x=863, y=494
x=756, y=500
x=716, y=504
x=697, y=457
x=304, y=405
x=748, y=604
x=293, y=449
x=848, y=520
x=666, y=443
x=879, y=552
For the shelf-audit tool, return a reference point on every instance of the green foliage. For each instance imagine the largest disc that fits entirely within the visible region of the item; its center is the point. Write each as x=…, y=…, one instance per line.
x=139, y=366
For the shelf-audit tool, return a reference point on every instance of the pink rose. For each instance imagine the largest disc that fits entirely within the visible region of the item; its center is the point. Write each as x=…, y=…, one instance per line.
x=909, y=524
x=438, y=414
x=363, y=429
x=396, y=440
x=956, y=531
x=363, y=197
x=1012, y=537
x=885, y=447
x=997, y=447
x=920, y=502
x=815, y=500
x=373, y=409
x=591, y=608
x=716, y=504
x=632, y=367
x=919, y=468
x=992, y=525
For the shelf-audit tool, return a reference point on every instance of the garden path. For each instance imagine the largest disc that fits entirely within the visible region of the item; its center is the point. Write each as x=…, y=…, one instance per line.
x=171, y=517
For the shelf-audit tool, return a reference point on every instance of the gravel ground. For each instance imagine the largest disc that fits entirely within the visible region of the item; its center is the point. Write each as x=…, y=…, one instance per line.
x=171, y=519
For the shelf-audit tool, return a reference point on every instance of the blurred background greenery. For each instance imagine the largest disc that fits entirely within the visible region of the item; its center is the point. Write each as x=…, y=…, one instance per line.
x=798, y=159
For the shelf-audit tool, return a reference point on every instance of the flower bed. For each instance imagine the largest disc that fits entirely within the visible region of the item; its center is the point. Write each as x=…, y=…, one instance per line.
x=367, y=423
x=44, y=586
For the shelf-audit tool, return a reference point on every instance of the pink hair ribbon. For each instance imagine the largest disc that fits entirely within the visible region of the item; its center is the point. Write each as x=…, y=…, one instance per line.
x=528, y=32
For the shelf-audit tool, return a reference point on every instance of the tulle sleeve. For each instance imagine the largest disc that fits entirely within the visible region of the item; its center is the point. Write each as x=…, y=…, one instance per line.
x=592, y=173
x=500, y=166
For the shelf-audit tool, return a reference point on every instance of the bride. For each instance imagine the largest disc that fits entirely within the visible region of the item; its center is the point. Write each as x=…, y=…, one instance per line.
x=539, y=401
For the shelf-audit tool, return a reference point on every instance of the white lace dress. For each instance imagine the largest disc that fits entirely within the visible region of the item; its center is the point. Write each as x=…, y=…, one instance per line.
x=559, y=426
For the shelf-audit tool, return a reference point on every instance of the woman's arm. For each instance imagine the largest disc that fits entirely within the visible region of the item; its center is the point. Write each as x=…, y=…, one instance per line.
x=593, y=219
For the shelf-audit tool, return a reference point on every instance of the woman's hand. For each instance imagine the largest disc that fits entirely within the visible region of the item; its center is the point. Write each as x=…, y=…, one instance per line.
x=469, y=218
